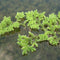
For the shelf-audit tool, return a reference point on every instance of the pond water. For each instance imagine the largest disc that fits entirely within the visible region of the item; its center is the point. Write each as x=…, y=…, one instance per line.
x=9, y=50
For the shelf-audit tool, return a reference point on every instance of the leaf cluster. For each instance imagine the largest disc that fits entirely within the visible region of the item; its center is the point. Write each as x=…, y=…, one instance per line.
x=34, y=20
x=27, y=43
x=38, y=21
x=7, y=25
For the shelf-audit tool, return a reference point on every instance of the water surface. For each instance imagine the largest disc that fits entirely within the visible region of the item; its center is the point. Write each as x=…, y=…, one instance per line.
x=9, y=50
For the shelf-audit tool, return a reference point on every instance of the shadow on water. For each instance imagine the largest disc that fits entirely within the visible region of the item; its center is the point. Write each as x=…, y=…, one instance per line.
x=9, y=50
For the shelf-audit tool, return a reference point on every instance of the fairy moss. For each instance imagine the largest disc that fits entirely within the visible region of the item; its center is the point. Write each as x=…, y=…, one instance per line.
x=33, y=20
x=7, y=25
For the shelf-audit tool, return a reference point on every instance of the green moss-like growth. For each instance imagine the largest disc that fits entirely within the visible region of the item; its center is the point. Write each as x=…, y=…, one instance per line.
x=49, y=25
x=19, y=15
x=7, y=25
x=34, y=20
x=27, y=43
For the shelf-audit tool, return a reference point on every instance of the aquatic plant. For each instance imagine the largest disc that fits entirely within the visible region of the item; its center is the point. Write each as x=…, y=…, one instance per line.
x=7, y=25
x=38, y=21
x=27, y=43
x=34, y=20
x=59, y=14
x=19, y=15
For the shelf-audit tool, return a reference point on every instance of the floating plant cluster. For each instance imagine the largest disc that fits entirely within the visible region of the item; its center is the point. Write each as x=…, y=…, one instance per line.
x=7, y=25
x=36, y=21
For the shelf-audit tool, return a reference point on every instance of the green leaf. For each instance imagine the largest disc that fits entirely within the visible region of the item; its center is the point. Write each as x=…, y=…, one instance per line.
x=32, y=49
x=59, y=14
x=16, y=24
x=35, y=44
x=19, y=15
x=53, y=41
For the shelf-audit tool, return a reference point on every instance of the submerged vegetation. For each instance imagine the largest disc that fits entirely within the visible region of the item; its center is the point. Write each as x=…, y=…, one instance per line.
x=35, y=21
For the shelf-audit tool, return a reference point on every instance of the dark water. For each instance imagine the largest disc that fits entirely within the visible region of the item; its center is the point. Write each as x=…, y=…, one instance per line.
x=9, y=50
